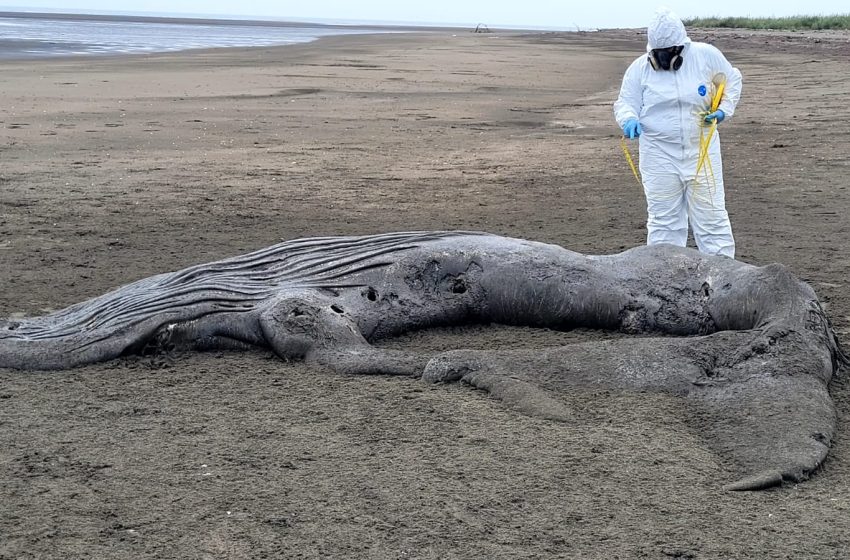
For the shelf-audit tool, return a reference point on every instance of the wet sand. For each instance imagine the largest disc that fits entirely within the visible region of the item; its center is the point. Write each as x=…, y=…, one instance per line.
x=114, y=169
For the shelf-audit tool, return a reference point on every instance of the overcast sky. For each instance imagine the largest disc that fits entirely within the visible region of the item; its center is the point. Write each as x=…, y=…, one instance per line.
x=517, y=13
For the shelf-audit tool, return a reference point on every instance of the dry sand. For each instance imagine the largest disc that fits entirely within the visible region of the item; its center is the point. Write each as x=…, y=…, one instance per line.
x=115, y=169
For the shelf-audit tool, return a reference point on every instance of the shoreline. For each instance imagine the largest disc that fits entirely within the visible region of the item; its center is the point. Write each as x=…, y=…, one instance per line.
x=93, y=45
x=830, y=42
x=227, y=52
x=253, y=22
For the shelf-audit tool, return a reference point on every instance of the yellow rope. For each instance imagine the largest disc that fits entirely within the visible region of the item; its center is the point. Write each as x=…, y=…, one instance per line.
x=705, y=139
x=630, y=161
x=718, y=96
x=704, y=142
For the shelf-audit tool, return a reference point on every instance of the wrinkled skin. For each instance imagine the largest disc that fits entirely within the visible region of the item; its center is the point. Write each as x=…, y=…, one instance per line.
x=749, y=348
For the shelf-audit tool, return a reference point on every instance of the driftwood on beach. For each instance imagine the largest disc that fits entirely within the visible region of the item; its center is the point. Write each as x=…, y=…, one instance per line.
x=749, y=348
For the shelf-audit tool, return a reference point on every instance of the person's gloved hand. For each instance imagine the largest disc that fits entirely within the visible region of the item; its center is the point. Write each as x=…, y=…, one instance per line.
x=632, y=128
x=719, y=115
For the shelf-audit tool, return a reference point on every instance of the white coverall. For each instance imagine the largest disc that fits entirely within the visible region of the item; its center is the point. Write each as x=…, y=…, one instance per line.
x=668, y=103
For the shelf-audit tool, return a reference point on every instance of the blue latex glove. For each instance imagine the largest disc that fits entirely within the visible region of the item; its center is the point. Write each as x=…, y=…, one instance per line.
x=632, y=128
x=719, y=115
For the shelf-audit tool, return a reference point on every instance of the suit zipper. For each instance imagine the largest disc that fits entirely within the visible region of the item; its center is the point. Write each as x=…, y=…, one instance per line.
x=681, y=119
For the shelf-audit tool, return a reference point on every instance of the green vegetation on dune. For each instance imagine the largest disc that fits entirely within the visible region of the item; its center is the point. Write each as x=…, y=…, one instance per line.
x=791, y=23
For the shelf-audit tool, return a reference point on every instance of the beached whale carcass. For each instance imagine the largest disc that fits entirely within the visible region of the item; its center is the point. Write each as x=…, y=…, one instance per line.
x=749, y=347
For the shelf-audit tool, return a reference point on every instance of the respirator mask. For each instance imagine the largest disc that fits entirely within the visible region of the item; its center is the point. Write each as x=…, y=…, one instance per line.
x=669, y=58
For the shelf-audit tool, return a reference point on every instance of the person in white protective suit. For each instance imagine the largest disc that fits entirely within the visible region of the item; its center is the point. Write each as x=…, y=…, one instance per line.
x=666, y=99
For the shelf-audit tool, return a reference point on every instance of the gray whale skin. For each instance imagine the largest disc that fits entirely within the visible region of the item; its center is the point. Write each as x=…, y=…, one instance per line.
x=748, y=348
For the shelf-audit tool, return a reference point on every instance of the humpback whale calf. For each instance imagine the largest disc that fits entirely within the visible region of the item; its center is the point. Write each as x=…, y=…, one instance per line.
x=749, y=348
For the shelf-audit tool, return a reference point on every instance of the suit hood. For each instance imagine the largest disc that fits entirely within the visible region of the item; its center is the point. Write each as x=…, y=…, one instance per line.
x=665, y=30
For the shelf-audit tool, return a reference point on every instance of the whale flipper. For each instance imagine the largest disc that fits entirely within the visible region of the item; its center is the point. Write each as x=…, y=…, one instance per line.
x=770, y=427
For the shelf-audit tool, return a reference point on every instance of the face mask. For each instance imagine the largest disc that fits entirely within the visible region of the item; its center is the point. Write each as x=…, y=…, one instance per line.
x=665, y=59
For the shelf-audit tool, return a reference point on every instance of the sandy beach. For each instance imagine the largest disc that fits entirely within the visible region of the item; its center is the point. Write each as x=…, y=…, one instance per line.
x=118, y=168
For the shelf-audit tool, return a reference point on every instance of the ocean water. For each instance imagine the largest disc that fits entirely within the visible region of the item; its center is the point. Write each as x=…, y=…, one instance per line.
x=44, y=37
